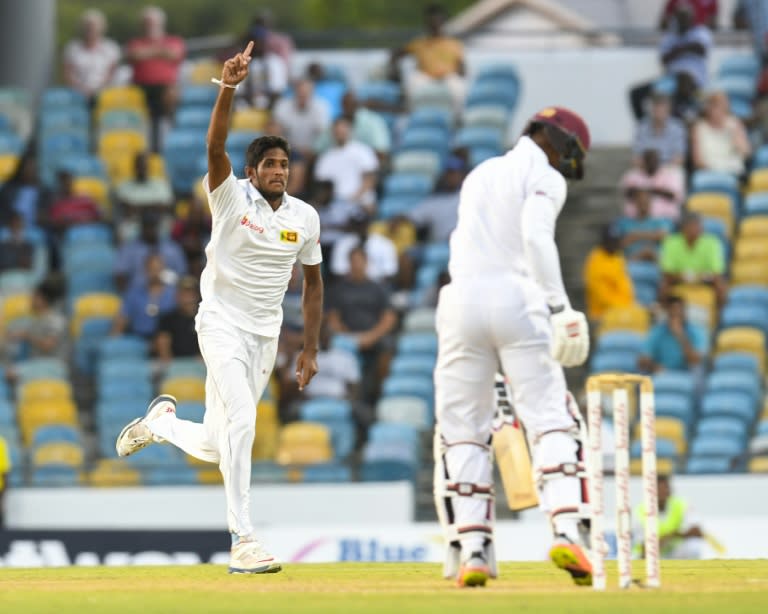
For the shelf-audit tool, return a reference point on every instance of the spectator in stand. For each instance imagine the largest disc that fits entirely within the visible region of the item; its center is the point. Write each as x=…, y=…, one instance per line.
x=719, y=141
x=146, y=301
x=352, y=167
x=439, y=58
x=298, y=177
x=176, y=335
x=142, y=191
x=380, y=252
x=360, y=307
x=704, y=13
x=335, y=214
x=666, y=185
x=90, y=61
x=17, y=251
x=45, y=333
x=607, y=283
x=661, y=132
x=692, y=256
x=304, y=116
x=686, y=45
x=132, y=256
x=278, y=43
x=368, y=127
x=267, y=74
x=642, y=233
x=674, y=344
x=24, y=194
x=192, y=233
x=70, y=209
x=5, y=471
x=156, y=58
x=435, y=217
x=753, y=15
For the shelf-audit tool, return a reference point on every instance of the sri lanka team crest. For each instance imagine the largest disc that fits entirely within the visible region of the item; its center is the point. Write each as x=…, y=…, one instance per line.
x=289, y=236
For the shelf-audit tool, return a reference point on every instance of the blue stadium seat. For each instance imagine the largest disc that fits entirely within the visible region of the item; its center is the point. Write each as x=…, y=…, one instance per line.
x=130, y=368
x=322, y=410
x=87, y=282
x=405, y=410
x=715, y=181
x=344, y=342
x=409, y=385
x=706, y=465
x=93, y=257
x=81, y=234
x=427, y=275
x=729, y=404
x=41, y=368
x=387, y=471
x=7, y=412
x=55, y=433
x=644, y=272
x=717, y=445
x=424, y=138
x=190, y=410
x=674, y=405
x=734, y=381
x=493, y=91
x=119, y=411
x=382, y=92
x=621, y=341
x=479, y=136
x=240, y=140
x=737, y=86
x=186, y=367
x=393, y=432
x=675, y=382
x=498, y=71
x=113, y=389
x=436, y=254
x=756, y=203
x=726, y=427
x=481, y=154
x=646, y=294
x=192, y=117
x=92, y=332
x=197, y=96
x=54, y=98
x=157, y=456
x=736, y=314
x=760, y=159
x=748, y=294
x=762, y=427
x=55, y=475
x=178, y=475
x=125, y=346
x=606, y=361
x=65, y=119
x=327, y=472
x=744, y=65
x=413, y=365
x=417, y=343
x=665, y=448
x=431, y=117
x=411, y=184
x=392, y=206
x=183, y=149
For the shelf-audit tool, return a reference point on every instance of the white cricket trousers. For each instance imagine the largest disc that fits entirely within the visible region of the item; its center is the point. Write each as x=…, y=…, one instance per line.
x=239, y=365
x=482, y=325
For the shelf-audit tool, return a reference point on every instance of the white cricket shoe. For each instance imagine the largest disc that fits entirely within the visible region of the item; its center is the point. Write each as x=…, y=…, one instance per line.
x=136, y=434
x=248, y=556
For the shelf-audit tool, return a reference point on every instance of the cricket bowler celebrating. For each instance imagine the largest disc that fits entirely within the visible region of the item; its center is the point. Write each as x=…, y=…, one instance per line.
x=258, y=234
x=506, y=307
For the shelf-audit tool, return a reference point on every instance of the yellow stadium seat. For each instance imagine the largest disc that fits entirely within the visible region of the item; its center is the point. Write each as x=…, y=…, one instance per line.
x=59, y=453
x=185, y=388
x=203, y=70
x=711, y=204
x=122, y=167
x=44, y=390
x=8, y=165
x=664, y=466
x=38, y=413
x=15, y=307
x=210, y=476
x=759, y=464
x=751, y=248
x=121, y=142
x=752, y=271
x=701, y=297
x=764, y=415
x=121, y=97
x=754, y=226
x=113, y=472
x=742, y=339
x=94, y=305
x=250, y=119
x=265, y=442
x=97, y=189
x=635, y=318
x=303, y=443
x=758, y=180
x=668, y=428
x=267, y=410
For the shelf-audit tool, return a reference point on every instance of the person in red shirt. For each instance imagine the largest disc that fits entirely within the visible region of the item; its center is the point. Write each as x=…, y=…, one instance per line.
x=155, y=58
x=704, y=12
x=69, y=209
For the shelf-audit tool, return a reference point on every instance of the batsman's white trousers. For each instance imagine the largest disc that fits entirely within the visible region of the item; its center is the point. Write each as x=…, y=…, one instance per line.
x=483, y=324
x=239, y=364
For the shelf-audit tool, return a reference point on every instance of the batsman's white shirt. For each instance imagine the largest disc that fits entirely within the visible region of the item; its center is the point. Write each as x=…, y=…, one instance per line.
x=252, y=252
x=507, y=203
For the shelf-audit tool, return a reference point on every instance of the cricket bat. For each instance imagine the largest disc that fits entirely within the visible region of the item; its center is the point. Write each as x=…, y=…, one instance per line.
x=511, y=449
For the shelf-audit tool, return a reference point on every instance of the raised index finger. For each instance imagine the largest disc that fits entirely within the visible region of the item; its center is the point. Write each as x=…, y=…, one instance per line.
x=248, y=48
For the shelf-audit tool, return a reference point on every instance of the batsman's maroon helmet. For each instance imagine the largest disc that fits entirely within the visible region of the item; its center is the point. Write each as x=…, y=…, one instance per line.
x=570, y=138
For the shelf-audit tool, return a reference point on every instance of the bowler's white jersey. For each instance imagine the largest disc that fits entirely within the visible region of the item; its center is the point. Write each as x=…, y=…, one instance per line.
x=252, y=252
x=507, y=213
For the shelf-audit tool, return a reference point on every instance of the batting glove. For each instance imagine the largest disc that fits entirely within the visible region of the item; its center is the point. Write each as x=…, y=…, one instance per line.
x=570, y=334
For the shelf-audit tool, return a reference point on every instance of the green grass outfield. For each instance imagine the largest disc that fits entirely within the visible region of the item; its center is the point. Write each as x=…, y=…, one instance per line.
x=695, y=587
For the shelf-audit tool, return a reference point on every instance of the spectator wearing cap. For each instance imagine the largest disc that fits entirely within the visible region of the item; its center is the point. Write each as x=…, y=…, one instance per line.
x=607, y=282
x=368, y=127
x=304, y=117
x=719, y=140
x=692, y=256
x=146, y=301
x=142, y=191
x=156, y=57
x=176, y=335
x=661, y=132
x=665, y=184
x=351, y=166
x=439, y=57
x=435, y=217
x=90, y=61
x=380, y=252
x=267, y=73
x=642, y=233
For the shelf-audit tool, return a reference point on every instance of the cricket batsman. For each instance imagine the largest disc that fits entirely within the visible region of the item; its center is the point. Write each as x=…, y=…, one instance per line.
x=258, y=233
x=506, y=307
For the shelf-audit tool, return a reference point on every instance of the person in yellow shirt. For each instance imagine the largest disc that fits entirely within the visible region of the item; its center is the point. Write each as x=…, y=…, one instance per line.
x=605, y=276
x=439, y=58
x=5, y=469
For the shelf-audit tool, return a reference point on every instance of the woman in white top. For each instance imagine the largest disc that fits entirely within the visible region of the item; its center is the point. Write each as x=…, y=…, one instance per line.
x=719, y=140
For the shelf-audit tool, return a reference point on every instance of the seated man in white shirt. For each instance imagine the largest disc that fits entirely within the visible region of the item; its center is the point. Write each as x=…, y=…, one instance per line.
x=381, y=253
x=304, y=116
x=351, y=166
x=143, y=191
x=267, y=75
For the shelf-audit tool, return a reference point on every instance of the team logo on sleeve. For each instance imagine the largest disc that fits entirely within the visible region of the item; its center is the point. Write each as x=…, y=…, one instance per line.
x=289, y=236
